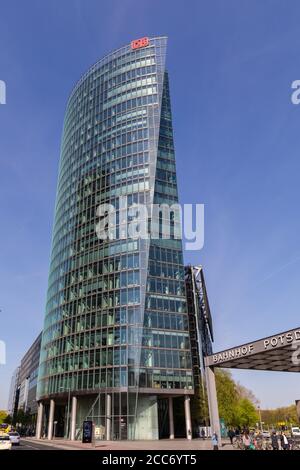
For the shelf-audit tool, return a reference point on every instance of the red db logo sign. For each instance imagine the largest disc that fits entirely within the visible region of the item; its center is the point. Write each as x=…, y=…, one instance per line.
x=137, y=43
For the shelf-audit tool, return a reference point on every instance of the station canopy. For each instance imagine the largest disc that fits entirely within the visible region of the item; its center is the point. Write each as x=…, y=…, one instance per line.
x=280, y=352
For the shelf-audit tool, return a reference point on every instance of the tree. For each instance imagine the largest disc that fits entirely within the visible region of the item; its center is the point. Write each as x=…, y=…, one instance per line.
x=3, y=416
x=22, y=418
x=246, y=413
x=237, y=405
x=244, y=392
x=227, y=396
x=287, y=415
x=8, y=419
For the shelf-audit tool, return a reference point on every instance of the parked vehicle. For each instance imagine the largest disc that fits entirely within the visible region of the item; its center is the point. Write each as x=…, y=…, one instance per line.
x=5, y=443
x=295, y=431
x=266, y=434
x=14, y=438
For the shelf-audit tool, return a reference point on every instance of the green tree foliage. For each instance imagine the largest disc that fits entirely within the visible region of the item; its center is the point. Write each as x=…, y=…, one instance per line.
x=227, y=396
x=8, y=419
x=246, y=414
x=199, y=407
x=22, y=418
x=287, y=415
x=236, y=403
x=3, y=416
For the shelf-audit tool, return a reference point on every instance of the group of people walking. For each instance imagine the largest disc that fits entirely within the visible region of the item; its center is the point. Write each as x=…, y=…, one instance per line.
x=243, y=439
x=255, y=441
x=280, y=444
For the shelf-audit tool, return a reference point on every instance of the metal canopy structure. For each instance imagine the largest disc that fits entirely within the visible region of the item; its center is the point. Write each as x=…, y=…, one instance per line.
x=279, y=352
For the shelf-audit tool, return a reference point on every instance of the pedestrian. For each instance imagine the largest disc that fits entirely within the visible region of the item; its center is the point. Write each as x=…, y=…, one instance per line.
x=214, y=441
x=202, y=433
x=284, y=441
x=246, y=441
x=231, y=435
x=274, y=441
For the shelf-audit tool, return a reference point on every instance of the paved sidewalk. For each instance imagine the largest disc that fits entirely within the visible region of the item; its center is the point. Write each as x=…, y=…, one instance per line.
x=162, y=444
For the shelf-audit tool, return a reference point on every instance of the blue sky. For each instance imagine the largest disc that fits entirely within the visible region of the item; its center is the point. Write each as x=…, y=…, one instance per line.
x=231, y=66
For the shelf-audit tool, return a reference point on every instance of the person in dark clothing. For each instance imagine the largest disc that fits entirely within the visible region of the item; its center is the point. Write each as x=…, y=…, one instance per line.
x=231, y=435
x=274, y=441
x=202, y=433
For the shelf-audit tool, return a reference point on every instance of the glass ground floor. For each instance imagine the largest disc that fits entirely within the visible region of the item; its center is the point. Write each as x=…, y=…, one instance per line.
x=119, y=415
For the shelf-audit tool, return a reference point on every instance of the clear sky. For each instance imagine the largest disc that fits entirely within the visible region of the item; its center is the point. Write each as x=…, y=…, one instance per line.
x=231, y=66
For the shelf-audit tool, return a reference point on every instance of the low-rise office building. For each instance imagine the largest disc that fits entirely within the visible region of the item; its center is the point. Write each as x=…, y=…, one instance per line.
x=22, y=394
x=13, y=397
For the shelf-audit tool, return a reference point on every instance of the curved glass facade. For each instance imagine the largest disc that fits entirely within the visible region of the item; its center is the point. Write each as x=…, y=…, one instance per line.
x=116, y=318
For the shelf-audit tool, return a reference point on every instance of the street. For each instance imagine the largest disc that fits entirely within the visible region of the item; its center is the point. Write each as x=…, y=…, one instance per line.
x=33, y=446
x=30, y=443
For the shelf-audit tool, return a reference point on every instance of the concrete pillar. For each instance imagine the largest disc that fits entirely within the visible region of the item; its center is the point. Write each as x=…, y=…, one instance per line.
x=213, y=402
x=73, y=418
x=108, y=416
x=188, y=421
x=39, y=420
x=171, y=418
x=51, y=419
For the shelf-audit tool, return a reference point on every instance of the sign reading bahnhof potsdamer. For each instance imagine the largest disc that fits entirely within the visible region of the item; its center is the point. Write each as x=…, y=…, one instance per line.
x=278, y=352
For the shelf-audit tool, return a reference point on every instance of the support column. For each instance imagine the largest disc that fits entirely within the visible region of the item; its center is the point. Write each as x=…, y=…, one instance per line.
x=188, y=421
x=171, y=418
x=108, y=417
x=51, y=419
x=73, y=418
x=39, y=420
x=213, y=403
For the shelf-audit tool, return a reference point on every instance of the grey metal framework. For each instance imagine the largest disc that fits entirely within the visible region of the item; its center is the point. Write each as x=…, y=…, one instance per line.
x=201, y=336
x=116, y=331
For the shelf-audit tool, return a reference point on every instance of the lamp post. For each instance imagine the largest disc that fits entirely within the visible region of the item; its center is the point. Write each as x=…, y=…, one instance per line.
x=260, y=422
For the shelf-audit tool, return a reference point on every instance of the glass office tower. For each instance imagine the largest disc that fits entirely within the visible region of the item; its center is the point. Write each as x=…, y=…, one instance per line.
x=115, y=347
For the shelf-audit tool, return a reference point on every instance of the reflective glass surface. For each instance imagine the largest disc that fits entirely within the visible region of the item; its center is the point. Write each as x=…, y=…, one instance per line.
x=116, y=316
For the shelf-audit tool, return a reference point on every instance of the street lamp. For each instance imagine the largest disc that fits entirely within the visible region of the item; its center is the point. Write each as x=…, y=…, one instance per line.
x=260, y=422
